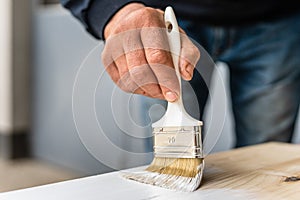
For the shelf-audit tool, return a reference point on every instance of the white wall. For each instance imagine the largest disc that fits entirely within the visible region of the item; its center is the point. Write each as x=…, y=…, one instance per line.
x=5, y=66
x=60, y=45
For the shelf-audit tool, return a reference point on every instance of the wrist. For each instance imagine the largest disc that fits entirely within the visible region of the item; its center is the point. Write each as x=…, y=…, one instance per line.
x=119, y=16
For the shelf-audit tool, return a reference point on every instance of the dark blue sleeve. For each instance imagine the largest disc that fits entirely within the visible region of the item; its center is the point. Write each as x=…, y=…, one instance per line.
x=94, y=14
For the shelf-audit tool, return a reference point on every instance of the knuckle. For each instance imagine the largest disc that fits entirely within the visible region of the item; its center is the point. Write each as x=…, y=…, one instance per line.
x=155, y=91
x=140, y=91
x=123, y=88
x=105, y=58
x=183, y=63
x=148, y=12
x=168, y=83
x=123, y=71
x=195, y=52
x=139, y=75
x=191, y=55
x=114, y=77
x=126, y=85
x=157, y=56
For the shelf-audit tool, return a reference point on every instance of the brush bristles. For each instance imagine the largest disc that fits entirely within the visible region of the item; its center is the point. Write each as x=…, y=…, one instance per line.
x=182, y=174
x=186, y=167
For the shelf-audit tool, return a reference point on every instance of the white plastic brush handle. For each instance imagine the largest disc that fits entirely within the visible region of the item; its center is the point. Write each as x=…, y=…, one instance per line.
x=175, y=114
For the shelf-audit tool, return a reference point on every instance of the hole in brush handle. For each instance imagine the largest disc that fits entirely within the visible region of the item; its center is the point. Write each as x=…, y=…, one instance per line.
x=169, y=27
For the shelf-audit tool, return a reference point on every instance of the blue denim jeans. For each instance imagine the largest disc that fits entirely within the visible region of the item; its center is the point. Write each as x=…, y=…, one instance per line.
x=264, y=67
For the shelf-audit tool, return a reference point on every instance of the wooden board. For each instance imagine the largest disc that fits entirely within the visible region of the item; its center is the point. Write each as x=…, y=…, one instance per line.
x=266, y=171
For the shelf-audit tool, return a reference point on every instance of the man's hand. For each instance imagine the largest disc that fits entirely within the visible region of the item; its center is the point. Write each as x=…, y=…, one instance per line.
x=137, y=57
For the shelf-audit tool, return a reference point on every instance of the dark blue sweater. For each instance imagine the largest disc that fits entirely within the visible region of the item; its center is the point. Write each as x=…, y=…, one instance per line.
x=95, y=14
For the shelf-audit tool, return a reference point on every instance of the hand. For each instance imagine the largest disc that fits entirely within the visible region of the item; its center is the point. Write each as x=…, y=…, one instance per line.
x=137, y=57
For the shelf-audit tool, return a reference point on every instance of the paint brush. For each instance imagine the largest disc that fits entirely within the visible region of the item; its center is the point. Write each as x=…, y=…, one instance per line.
x=178, y=158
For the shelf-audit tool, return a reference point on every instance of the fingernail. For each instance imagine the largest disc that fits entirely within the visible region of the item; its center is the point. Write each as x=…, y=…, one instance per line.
x=186, y=76
x=189, y=69
x=171, y=96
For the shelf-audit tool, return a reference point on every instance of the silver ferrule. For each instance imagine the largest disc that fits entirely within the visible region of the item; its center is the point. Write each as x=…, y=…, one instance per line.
x=178, y=142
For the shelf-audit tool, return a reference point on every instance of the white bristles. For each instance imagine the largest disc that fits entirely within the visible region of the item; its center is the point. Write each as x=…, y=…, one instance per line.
x=178, y=183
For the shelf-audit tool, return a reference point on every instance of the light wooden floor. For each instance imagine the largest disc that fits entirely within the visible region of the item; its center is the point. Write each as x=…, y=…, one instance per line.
x=26, y=173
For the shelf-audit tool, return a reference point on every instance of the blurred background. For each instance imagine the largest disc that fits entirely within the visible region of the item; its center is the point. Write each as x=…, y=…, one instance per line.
x=42, y=47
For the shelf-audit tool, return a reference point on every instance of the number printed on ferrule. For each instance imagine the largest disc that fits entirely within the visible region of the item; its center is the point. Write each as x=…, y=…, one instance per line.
x=171, y=140
x=175, y=139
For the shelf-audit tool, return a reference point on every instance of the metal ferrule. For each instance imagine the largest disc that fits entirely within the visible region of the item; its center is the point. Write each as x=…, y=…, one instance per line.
x=178, y=142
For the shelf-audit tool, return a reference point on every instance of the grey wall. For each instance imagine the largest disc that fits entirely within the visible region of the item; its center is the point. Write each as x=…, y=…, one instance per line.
x=60, y=44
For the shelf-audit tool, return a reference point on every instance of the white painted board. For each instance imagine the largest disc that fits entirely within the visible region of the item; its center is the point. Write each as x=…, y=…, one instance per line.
x=112, y=186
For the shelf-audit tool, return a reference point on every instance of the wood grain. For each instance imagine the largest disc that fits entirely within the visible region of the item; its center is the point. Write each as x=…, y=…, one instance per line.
x=272, y=170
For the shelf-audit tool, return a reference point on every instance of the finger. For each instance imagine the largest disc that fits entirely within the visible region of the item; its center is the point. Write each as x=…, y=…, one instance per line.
x=113, y=47
x=139, y=70
x=115, y=63
x=142, y=92
x=160, y=61
x=125, y=82
x=142, y=74
x=113, y=72
x=148, y=95
x=189, y=56
x=113, y=59
x=109, y=65
x=106, y=57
